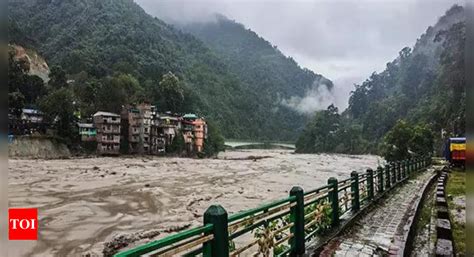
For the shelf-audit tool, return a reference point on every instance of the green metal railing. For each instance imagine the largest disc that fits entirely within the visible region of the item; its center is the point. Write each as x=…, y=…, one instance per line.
x=283, y=227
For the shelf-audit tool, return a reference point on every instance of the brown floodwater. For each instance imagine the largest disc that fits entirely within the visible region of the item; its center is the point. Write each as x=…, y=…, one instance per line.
x=83, y=203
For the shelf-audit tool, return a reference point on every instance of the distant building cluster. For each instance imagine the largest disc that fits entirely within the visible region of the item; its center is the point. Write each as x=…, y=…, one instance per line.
x=30, y=121
x=138, y=129
x=141, y=129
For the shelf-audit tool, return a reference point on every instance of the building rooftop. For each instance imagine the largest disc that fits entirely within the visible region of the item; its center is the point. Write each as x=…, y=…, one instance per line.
x=85, y=125
x=106, y=114
x=32, y=111
x=190, y=116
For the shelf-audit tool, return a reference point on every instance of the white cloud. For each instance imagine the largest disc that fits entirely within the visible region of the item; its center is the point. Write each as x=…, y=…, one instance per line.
x=344, y=40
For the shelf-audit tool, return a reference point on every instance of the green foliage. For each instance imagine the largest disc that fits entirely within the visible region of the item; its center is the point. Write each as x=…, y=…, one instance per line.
x=329, y=131
x=59, y=109
x=24, y=90
x=177, y=146
x=424, y=85
x=323, y=212
x=403, y=141
x=112, y=37
x=319, y=135
x=57, y=78
x=115, y=91
x=268, y=74
x=171, y=93
x=214, y=143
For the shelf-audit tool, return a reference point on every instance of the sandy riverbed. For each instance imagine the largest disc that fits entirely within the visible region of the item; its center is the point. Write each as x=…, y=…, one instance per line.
x=83, y=203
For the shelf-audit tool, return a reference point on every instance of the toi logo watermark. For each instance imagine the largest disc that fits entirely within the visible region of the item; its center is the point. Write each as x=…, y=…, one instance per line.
x=22, y=224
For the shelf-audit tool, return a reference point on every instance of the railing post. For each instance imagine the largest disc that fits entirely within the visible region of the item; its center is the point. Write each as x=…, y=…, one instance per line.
x=399, y=172
x=370, y=184
x=297, y=242
x=334, y=199
x=394, y=173
x=404, y=169
x=380, y=178
x=387, y=176
x=407, y=169
x=219, y=246
x=355, y=191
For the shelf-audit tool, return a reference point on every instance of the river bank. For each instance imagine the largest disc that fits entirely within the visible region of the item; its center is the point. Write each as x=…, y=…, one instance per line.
x=83, y=203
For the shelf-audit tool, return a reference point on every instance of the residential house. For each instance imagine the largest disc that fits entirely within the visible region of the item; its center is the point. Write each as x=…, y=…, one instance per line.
x=108, y=132
x=157, y=136
x=194, y=132
x=87, y=131
x=30, y=121
x=32, y=116
x=136, y=123
x=170, y=126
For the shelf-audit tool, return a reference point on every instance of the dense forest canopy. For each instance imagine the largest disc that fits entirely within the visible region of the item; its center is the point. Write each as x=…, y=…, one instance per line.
x=423, y=88
x=116, y=53
x=262, y=68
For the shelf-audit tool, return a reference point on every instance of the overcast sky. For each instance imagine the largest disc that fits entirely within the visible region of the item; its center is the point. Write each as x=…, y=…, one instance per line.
x=344, y=40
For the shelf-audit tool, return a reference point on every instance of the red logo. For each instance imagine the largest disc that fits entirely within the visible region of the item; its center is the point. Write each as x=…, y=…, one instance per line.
x=22, y=224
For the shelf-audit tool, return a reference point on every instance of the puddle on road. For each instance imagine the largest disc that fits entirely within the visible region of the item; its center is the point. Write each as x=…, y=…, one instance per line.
x=84, y=202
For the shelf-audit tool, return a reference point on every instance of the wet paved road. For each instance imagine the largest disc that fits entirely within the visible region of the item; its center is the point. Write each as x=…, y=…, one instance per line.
x=381, y=231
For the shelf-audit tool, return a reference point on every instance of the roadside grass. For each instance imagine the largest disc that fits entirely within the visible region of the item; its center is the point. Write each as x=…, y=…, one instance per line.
x=456, y=186
x=423, y=235
x=427, y=210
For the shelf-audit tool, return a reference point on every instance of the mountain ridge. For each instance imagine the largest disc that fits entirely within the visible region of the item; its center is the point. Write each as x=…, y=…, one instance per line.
x=103, y=38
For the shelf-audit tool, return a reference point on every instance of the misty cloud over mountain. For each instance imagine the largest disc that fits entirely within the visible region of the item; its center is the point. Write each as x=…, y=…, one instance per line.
x=343, y=40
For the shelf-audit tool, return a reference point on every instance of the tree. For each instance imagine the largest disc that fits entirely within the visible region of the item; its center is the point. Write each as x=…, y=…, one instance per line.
x=320, y=135
x=177, y=146
x=32, y=88
x=397, y=142
x=59, y=109
x=23, y=89
x=214, y=143
x=57, y=78
x=404, y=141
x=422, y=140
x=114, y=92
x=171, y=93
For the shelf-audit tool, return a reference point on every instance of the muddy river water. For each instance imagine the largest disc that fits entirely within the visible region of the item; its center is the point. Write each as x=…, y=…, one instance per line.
x=83, y=203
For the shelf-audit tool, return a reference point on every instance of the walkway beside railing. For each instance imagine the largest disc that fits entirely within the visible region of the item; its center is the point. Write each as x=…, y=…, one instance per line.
x=287, y=226
x=384, y=229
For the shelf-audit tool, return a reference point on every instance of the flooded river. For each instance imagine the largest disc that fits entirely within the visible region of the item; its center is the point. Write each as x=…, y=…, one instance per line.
x=83, y=203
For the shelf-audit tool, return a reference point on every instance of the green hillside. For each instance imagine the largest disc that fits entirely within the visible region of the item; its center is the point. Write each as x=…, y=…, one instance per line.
x=262, y=68
x=424, y=87
x=97, y=41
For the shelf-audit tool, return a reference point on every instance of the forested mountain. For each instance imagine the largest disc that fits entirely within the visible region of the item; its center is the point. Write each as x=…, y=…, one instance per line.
x=116, y=53
x=262, y=68
x=424, y=87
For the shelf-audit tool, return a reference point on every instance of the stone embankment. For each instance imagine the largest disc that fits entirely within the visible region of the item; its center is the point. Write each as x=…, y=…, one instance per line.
x=37, y=148
x=384, y=229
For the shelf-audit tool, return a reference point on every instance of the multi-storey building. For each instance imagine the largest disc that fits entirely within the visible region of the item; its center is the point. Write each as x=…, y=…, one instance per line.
x=136, y=123
x=87, y=131
x=108, y=132
x=157, y=137
x=194, y=132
